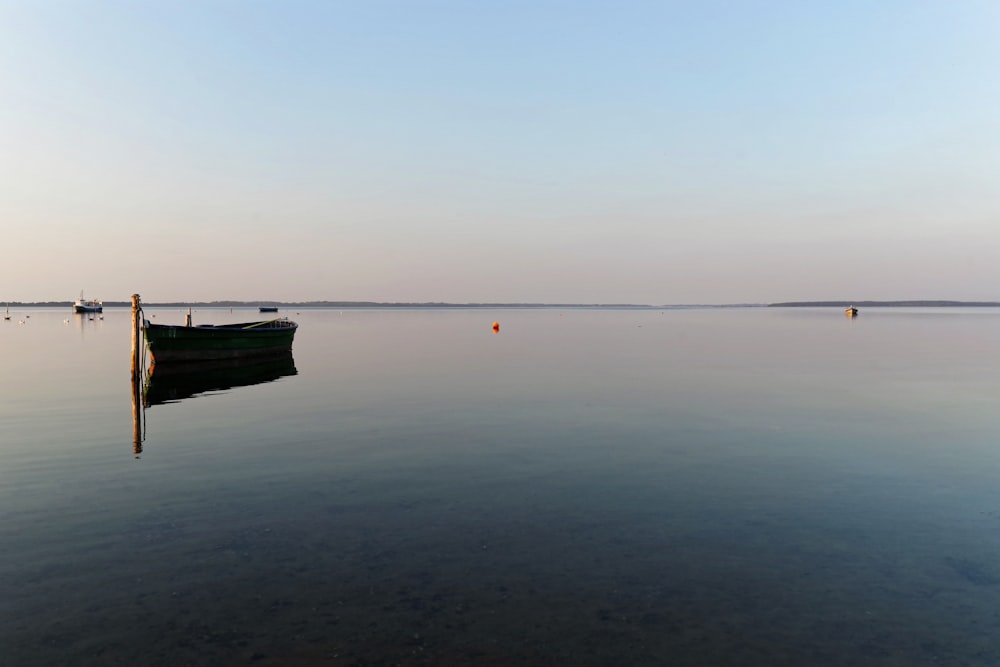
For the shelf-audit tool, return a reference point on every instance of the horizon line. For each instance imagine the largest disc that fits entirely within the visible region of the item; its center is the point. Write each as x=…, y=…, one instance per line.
x=322, y=303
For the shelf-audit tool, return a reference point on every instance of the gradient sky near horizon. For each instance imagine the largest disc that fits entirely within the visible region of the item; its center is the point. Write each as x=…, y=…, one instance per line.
x=522, y=151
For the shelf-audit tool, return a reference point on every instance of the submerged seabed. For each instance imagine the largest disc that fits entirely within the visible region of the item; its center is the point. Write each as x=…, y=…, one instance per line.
x=698, y=487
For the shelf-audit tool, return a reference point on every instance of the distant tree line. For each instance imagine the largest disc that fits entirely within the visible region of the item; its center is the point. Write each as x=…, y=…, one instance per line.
x=887, y=304
x=335, y=304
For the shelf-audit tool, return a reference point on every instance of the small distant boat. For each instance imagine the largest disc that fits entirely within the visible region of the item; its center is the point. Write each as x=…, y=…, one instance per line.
x=208, y=342
x=851, y=311
x=92, y=306
x=6, y=312
x=268, y=309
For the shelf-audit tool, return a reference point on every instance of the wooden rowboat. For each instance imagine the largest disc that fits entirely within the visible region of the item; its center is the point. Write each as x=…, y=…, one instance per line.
x=208, y=342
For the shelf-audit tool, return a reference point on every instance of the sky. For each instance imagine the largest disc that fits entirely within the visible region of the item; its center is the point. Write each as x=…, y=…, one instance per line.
x=483, y=151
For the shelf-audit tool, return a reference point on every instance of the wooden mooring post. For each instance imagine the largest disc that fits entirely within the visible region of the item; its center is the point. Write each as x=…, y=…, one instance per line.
x=136, y=336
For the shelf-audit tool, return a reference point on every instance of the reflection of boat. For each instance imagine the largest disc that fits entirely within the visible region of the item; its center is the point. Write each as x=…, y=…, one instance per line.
x=173, y=382
x=268, y=309
x=92, y=306
x=207, y=342
x=851, y=311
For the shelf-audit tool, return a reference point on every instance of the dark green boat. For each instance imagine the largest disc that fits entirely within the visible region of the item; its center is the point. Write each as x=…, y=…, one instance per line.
x=207, y=342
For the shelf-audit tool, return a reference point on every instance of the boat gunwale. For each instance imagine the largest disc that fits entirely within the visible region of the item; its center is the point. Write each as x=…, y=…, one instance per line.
x=241, y=327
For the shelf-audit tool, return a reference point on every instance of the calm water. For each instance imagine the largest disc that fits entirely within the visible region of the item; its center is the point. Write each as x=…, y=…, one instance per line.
x=691, y=487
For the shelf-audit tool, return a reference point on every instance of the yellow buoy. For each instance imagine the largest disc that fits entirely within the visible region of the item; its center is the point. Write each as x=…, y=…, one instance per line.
x=496, y=326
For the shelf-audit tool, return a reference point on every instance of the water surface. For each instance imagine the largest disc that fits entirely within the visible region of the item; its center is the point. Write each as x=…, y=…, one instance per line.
x=586, y=487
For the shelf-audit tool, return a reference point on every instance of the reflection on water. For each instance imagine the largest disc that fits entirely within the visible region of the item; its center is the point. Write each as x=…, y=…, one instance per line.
x=175, y=382
x=170, y=383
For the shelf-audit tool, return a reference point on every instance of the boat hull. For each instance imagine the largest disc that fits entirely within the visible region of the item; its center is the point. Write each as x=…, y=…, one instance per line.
x=173, y=344
x=87, y=308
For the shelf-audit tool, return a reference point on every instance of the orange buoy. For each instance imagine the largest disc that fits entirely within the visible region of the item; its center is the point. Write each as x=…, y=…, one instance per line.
x=496, y=327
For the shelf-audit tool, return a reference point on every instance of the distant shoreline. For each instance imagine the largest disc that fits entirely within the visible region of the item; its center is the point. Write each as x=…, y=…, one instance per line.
x=887, y=304
x=377, y=304
x=441, y=305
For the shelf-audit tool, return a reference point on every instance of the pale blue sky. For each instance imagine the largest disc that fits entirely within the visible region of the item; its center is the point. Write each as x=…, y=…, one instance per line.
x=644, y=152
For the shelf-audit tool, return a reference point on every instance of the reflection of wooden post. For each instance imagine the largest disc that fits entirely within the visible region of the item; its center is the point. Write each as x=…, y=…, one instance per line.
x=136, y=419
x=136, y=377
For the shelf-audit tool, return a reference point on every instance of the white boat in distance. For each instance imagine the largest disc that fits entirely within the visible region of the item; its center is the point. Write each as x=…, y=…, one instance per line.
x=92, y=306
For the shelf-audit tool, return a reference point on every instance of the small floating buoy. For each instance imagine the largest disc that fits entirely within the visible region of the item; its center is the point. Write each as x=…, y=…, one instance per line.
x=496, y=327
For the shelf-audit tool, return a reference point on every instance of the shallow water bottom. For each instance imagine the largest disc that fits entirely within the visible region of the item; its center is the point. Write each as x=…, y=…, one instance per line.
x=536, y=562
